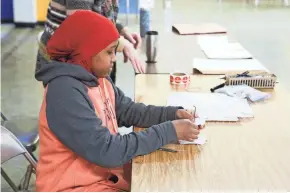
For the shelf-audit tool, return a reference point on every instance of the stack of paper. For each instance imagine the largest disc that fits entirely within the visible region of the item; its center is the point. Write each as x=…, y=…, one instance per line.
x=212, y=41
x=211, y=66
x=212, y=106
x=218, y=47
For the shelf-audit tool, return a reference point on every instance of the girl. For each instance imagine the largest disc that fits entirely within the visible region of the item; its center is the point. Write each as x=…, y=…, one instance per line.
x=80, y=147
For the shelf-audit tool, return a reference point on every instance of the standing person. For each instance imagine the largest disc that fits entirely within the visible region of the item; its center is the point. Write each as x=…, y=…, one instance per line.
x=80, y=146
x=59, y=10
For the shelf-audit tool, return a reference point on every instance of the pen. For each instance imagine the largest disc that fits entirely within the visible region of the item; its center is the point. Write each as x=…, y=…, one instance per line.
x=194, y=111
x=243, y=74
x=217, y=87
x=194, y=116
x=167, y=150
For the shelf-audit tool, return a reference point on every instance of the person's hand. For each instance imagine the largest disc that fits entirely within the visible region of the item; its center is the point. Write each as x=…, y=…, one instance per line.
x=131, y=54
x=133, y=38
x=185, y=114
x=185, y=130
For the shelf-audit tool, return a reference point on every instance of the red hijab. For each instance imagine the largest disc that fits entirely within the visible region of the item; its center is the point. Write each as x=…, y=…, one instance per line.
x=81, y=36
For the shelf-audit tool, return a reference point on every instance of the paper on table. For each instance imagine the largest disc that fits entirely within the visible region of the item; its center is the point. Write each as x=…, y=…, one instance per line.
x=201, y=138
x=212, y=106
x=211, y=66
x=199, y=121
x=226, y=51
x=212, y=40
x=243, y=107
x=205, y=28
x=218, y=47
x=199, y=141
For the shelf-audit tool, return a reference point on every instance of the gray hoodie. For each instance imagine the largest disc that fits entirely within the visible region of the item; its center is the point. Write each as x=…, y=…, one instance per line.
x=71, y=117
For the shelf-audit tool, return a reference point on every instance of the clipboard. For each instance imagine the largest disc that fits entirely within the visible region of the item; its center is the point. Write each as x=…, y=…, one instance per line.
x=198, y=29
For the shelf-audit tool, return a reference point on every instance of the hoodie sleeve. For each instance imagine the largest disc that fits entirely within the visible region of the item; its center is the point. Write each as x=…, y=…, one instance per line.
x=71, y=117
x=119, y=27
x=130, y=113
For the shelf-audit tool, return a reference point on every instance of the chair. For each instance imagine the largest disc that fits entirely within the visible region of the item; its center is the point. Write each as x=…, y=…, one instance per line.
x=39, y=36
x=10, y=148
x=26, y=131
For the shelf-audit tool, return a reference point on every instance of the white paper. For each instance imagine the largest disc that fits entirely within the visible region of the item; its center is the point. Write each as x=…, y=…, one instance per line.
x=212, y=40
x=199, y=141
x=201, y=138
x=244, y=110
x=227, y=51
x=227, y=66
x=212, y=106
x=218, y=47
x=199, y=121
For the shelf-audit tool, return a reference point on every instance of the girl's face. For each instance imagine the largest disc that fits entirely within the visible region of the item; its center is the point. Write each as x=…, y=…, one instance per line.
x=102, y=63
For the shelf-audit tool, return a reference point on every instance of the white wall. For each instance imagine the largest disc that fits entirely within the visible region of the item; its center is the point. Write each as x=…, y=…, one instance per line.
x=25, y=11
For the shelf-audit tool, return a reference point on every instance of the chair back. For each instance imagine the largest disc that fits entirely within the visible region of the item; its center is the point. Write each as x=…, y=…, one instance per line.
x=12, y=147
x=39, y=37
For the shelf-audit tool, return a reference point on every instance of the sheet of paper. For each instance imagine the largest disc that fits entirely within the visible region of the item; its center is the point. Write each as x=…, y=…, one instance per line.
x=199, y=141
x=199, y=121
x=218, y=47
x=226, y=51
x=242, y=106
x=212, y=66
x=212, y=106
x=205, y=41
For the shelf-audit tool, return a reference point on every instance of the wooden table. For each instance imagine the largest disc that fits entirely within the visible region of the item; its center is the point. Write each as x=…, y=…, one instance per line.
x=253, y=154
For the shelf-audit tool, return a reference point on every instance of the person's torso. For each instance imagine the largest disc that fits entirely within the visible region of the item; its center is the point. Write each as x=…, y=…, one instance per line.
x=58, y=10
x=59, y=168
